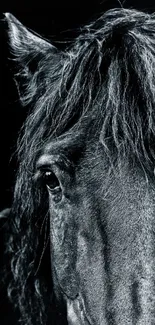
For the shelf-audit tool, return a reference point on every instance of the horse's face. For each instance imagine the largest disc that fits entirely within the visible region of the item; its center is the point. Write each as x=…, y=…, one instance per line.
x=75, y=187
x=101, y=242
x=101, y=204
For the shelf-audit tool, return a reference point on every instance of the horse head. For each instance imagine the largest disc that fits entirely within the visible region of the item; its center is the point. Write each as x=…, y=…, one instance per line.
x=84, y=196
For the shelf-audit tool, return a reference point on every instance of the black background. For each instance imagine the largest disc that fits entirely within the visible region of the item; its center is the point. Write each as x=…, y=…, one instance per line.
x=56, y=20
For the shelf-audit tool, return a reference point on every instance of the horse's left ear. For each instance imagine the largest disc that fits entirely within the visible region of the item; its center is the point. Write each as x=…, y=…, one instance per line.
x=25, y=44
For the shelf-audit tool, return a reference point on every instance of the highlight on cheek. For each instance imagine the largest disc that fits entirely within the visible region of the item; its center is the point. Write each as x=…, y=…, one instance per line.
x=55, y=194
x=80, y=243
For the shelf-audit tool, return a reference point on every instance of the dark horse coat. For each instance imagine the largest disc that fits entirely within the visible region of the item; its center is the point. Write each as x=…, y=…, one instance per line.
x=83, y=218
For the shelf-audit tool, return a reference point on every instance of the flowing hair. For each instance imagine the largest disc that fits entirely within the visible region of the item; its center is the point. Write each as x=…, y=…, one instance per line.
x=107, y=74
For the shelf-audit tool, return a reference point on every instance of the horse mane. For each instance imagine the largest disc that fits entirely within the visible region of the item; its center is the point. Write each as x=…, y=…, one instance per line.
x=107, y=74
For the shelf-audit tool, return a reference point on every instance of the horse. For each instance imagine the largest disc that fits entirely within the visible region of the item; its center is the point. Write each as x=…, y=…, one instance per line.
x=82, y=222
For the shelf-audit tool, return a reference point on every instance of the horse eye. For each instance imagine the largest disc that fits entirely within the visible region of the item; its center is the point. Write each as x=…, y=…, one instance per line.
x=53, y=185
x=50, y=179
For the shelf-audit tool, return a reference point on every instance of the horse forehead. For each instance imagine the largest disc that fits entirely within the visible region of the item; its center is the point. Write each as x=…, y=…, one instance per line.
x=72, y=142
x=68, y=140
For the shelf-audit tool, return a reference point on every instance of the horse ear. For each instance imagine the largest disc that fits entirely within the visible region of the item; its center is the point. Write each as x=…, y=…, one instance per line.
x=31, y=53
x=25, y=44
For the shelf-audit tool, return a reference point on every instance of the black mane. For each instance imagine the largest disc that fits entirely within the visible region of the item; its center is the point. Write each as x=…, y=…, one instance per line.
x=107, y=74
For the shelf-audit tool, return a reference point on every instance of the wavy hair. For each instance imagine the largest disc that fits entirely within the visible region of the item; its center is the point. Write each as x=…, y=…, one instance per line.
x=107, y=74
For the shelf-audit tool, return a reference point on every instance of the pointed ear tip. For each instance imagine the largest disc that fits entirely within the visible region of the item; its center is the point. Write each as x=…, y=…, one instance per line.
x=11, y=18
x=8, y=15
x=19, y=34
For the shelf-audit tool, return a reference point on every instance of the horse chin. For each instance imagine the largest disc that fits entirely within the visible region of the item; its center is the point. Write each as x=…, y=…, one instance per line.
x=76, y=314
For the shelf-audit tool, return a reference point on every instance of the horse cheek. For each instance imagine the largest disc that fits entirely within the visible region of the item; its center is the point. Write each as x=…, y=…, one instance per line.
x=63, y=242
